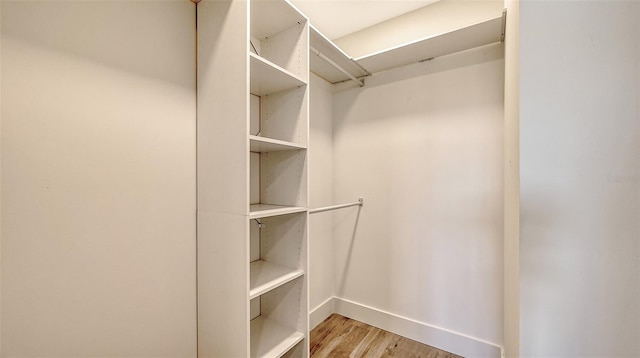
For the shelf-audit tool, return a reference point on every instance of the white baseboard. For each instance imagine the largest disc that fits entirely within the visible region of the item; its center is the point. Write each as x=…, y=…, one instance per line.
x=438, y=337
x=322, y=312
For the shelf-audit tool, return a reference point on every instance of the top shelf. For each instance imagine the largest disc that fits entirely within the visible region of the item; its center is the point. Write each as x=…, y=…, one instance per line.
x=326, y=47
x=267, y=77
x=480, y=34
x=269, y=17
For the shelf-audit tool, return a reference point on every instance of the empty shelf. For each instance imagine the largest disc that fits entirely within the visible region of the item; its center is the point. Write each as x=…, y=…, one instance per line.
x=267, y=77
x=265, y=276
x=265, y=210
x=262, y=144
x=479, y=34
x=270, y=339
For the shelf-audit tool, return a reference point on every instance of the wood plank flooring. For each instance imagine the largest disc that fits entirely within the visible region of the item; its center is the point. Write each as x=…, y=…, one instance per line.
x=339, y=336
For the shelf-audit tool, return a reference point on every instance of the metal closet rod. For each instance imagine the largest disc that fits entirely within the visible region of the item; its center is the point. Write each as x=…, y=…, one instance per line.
x=330, y=61
x=335, y=207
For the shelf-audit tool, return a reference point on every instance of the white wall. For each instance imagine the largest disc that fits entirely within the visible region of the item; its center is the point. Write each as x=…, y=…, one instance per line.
x=320, y=194
x=1, y=180
x=98, y=179
x=423, y=144
x=580, y=207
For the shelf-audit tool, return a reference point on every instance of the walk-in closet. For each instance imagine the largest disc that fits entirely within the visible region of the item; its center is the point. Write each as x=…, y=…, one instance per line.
x=318, y=178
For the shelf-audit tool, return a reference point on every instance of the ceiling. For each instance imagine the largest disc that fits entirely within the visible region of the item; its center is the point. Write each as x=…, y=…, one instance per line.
x=337, y=18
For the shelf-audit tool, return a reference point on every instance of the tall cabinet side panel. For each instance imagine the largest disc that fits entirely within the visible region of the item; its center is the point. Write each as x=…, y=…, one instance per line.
x=223, y=305
x=223, y=301
x=223, y=106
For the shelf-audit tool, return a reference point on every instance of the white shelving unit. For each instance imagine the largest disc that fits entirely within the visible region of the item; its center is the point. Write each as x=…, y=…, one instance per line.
x=252, y=179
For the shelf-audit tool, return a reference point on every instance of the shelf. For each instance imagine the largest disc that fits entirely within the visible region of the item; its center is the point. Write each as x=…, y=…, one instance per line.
x=265, y=210
x=269, y=17
x=262, y=144
x=323, y=69
x=270, y=339
x=265, y=276
x=267, y=77
x=480, y=34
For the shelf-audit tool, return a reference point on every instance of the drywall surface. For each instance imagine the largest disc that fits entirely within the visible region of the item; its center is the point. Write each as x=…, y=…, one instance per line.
x=579, y=179
x=0, y=180
x=423, y=144
x=98, y=179
x=320, y=191
x=435, y=19
x=512, y=182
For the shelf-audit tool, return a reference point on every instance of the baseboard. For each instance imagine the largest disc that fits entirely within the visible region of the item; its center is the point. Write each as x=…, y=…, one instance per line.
x=322, y=312
x=438, y=337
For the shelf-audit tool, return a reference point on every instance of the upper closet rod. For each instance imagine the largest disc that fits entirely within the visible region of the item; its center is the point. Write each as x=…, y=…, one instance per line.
x=329, y=61
x=335, y=207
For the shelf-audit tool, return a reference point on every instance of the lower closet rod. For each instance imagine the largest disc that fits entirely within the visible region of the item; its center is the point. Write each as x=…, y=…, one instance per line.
x=335, y=207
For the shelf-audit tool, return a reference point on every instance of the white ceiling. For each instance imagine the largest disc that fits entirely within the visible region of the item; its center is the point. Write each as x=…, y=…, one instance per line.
x=337, y=18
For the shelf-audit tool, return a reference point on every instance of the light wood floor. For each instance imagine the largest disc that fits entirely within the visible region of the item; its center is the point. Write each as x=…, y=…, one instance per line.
x=339, y=336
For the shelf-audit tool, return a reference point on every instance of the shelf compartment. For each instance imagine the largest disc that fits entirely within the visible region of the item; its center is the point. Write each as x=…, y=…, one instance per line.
x=258, y=211
x=262, y=144
x=282, y=320
x=279, y=34
x=269, y=17
x=265, y=276
x=281, y=116
x=271, y=339
x=267, y=77
x=277, y=251
x=278, y=181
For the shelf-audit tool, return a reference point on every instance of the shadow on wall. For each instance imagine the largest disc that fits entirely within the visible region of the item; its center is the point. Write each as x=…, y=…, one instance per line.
x=347, y=263
x=452, y=91
x=32, y=22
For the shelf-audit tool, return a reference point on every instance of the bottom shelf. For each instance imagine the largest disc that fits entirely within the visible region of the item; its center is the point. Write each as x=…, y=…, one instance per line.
x=270, y=339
